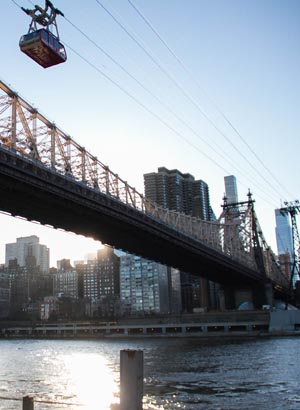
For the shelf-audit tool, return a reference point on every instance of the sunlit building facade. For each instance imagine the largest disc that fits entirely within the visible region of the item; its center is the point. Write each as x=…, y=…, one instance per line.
x=144, y=286
x=65, y=280
x=101, y=282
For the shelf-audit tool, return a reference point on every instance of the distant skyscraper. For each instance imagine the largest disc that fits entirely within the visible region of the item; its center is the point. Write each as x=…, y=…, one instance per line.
x=231, y=189
x=283, y=232
x=26, y=250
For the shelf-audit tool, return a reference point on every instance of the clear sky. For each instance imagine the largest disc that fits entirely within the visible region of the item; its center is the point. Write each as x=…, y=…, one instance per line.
x=233, y=85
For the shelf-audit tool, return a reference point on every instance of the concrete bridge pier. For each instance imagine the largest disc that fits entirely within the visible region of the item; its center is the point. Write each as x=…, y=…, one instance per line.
x=226, y=298
x=242, y=296
x=269, y=294
x=263, y=295
x=232, y=298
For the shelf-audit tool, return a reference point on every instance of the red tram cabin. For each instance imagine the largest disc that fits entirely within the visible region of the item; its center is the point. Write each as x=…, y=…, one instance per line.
x=43, y=47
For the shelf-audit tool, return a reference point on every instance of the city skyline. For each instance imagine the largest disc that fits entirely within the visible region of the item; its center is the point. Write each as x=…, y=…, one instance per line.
x=250, y=76
x=207, y=87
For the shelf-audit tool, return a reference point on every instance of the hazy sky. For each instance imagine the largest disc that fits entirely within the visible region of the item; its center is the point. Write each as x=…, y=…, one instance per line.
x=227, y=101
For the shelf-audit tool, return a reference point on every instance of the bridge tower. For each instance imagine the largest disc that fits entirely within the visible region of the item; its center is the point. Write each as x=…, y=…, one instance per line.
x=249, y=237
x=293, y=209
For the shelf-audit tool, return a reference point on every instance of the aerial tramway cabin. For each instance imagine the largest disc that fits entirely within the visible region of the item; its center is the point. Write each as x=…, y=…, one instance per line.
x=43, y=47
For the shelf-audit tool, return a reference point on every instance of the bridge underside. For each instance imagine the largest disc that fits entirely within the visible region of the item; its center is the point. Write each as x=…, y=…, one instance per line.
x=37, y=193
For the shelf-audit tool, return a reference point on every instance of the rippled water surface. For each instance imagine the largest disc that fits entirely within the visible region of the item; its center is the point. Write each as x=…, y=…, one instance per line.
x=191, y=374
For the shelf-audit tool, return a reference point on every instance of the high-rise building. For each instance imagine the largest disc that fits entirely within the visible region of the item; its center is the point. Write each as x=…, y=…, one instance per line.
x=28, y=251
x=4, y=294
x=283, y=232
x=144, y=286
x=175, y=297
x=65, y=280
x=101, y=280
x=231, y=192
x=182, y=193
x=27, y=287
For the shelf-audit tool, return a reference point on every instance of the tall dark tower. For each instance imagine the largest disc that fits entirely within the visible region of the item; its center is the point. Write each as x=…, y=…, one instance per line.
x=180, y=192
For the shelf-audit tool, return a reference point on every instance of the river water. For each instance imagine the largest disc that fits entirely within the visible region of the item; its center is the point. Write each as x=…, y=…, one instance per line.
x=180, y=373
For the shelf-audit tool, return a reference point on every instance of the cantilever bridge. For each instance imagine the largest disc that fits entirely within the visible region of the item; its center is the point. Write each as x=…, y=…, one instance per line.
x=48, y=177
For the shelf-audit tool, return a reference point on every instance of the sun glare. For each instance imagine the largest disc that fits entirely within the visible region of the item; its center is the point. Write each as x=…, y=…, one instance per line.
x=90, y=381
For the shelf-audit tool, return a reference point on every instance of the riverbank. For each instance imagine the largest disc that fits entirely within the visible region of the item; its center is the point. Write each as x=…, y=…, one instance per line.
x=217, y=324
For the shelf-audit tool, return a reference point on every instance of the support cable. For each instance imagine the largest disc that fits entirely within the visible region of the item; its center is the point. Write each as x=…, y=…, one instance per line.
x=170, y=127
x=196, y=105
x=141, y=104
x=225, y=158
x=185, y=68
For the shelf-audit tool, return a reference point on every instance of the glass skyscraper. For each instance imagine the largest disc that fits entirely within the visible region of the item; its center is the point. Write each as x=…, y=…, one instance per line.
x=283, y=232
x=231, y=189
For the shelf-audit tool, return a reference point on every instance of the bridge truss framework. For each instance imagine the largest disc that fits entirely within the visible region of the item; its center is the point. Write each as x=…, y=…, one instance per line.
x=31, y=135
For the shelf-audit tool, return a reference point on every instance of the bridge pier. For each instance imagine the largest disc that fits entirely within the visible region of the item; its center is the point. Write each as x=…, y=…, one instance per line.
x=231, y=297
x=204, y=293
x=243, y=295
x=221, y=294
x=226, y=298
x=263, y=295
x=269, y=294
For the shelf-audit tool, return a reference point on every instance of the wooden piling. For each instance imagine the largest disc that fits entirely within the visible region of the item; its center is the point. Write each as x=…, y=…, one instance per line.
x=28, y=403
x=131, y=379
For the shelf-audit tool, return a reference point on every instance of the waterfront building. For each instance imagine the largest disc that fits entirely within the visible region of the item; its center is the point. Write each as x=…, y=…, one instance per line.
x=144, y=286
x=27, y=287
x=101, y=282
x=4, y=294
x=26, y=251
x=180, y=192
x=80, y=269
x=65, y=280
x=175, y=297
x=49, y=308
x=231, y=191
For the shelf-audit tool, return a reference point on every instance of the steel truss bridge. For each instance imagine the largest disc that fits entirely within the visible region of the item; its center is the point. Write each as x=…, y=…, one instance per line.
x=46, y=176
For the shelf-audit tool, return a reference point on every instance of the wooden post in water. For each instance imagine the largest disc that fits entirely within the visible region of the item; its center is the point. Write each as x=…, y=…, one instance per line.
x=131, y=379
x=27, y=403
